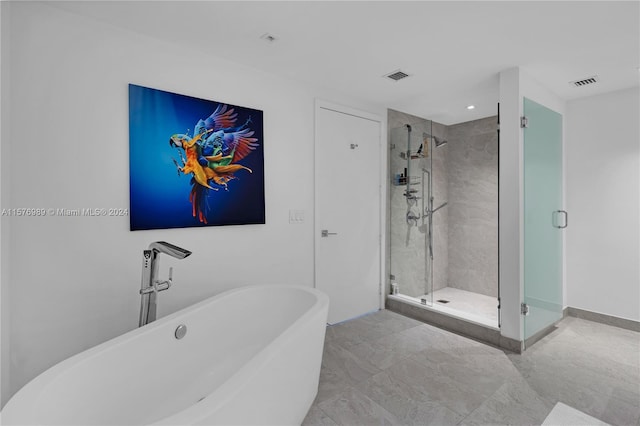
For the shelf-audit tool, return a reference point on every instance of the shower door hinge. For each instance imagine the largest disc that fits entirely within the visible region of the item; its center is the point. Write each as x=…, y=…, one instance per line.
x=524, y=122
x=524, y=309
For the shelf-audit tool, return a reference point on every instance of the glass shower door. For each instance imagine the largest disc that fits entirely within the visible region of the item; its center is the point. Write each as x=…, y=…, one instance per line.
x=543, y=217
x=410, y=168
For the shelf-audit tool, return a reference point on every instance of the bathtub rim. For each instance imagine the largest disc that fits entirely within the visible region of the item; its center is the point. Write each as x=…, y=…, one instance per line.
x=26, y=397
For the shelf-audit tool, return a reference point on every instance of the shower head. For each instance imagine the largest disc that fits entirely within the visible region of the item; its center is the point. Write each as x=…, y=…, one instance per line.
x=170, y=249
x=439, y=142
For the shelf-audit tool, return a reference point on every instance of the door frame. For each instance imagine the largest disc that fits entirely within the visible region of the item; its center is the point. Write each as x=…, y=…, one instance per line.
x=332, y=106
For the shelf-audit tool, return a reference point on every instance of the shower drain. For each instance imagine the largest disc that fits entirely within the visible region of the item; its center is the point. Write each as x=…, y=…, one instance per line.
x=442, y=301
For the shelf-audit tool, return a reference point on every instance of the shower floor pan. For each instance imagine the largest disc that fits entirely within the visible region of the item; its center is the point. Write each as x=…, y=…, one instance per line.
x=465, y=305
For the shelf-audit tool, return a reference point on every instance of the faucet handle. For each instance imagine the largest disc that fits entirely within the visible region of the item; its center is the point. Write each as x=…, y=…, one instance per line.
x=164, y=285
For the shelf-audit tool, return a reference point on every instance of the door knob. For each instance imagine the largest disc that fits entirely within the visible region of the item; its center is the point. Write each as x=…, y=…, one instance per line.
x=326, y=233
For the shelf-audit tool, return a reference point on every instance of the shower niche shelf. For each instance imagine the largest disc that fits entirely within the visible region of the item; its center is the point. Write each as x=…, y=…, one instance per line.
x=402, y=180
x=403, y=155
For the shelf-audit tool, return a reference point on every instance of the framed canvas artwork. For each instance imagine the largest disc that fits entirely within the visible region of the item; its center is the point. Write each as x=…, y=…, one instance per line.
x=193, y=162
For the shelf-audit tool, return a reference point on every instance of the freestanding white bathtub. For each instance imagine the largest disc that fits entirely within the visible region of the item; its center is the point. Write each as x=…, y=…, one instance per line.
x=251, y=356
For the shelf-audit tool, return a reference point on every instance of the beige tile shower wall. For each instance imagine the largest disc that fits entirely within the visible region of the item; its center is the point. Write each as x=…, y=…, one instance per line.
x=472, y=171
x=440, y=188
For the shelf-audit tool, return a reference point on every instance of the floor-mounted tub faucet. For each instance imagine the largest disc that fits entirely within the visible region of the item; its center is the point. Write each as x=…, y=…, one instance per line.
x=150, y=285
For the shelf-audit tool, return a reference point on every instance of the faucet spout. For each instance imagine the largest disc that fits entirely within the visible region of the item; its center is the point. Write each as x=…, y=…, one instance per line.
x=150, y=285
x=170, y=249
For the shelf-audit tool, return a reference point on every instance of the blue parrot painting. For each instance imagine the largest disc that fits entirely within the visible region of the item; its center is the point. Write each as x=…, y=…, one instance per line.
x=211, y=155
x=223, y=159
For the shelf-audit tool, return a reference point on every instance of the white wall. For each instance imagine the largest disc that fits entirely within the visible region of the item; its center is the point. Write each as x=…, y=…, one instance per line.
x=510, y=184
x=603, y=198
x=74, y=281
x=5, y=366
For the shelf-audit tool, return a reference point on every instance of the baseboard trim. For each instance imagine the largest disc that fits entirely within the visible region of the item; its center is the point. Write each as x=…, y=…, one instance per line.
x=539, y=335
x=492, y=336
x=603, y=318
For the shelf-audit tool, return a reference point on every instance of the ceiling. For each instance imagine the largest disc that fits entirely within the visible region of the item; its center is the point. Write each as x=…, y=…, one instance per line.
x=453, y=50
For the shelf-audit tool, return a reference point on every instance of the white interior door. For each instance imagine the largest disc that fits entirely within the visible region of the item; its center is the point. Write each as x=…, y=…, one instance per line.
x=347, y=209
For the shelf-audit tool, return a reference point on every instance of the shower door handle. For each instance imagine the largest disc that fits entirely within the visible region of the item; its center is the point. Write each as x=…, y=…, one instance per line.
x=566, y=219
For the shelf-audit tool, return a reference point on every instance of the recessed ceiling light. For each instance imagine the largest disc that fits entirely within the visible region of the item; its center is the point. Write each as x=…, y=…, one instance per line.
x=269, y=38
x=471, y=106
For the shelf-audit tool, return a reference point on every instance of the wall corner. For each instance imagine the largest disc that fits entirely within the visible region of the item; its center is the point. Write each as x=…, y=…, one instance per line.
x=510, y=208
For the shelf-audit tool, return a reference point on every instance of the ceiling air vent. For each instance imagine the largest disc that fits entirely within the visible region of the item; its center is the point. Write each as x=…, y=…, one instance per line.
x=585, y=81
x=397, y=75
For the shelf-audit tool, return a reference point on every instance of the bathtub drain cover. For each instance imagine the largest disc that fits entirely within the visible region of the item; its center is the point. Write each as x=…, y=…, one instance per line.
x=181, y=331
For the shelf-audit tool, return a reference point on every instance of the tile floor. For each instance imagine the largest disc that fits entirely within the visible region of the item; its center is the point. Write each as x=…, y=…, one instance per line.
x=386, y=369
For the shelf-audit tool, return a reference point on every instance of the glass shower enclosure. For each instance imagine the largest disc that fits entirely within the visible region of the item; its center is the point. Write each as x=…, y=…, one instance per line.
x=443, y=216
x=412, y=201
